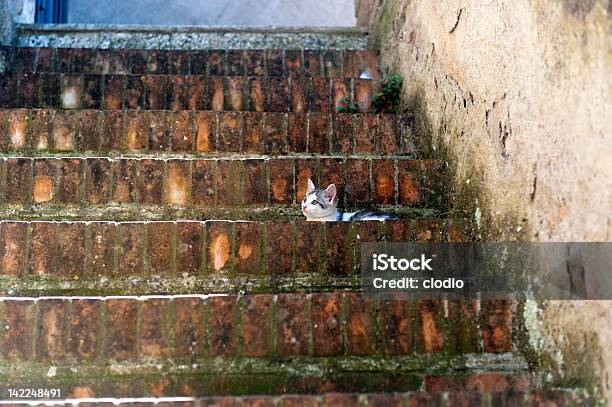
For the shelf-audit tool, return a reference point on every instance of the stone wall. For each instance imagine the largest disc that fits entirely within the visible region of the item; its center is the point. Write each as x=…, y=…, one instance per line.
x=516, y=96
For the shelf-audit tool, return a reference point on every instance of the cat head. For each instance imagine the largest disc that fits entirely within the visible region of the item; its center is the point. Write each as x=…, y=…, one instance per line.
x=319, y=203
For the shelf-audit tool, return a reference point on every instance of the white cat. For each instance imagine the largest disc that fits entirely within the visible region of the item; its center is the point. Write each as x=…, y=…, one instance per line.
x=321, y=205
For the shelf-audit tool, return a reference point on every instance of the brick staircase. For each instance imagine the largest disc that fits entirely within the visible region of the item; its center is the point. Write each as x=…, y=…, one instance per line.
x=151, y=243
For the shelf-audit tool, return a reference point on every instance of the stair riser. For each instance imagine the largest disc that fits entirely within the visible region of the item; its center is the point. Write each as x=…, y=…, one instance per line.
x=202, y=132
x=179, y=92
x=172, y=249
x=202, y=182
x=282, y=326
x=272, y=63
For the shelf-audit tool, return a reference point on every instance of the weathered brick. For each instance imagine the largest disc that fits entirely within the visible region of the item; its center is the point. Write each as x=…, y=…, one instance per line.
x=124, y=178
x=339, y=254
x=304, y=168
x=159, y=242
x=343, y=133
x=178, y=62
x=431, y=335
x=154, y=320
x=101, y=248
x=408, y=182
x=182, y=131
x=113, y=92
x=188, y=247
x=97, y=180
x=42, y=248
x=38, y=132
x=257, y=401
x=281, y=180
x=293, y=63
x=459, y=231
x=433, y=185
x=70, y=181
x=255, y=63
x=279, y=250
x=136, y=129
x=293, y=324
x=320, y=91
x=299, y=94
x=121, y=325
x=312, y=63
x=274, y=133
x=85, y=320
x=279, y=95
x=63, y=60
x=368, y=63
x=83, y=60
x=176, y=93
x=428, y=230
x=258, y=96
x=340, y=400
x=384, y=183
x=495, y=382
x=196, y=92
x=198, y=62
x=156, y=92
x=50, y=90
x=388, y=133
x=134, y=97
x=256, y=188
x=12, y=248
x=229, y=182
x=333, y=64
x=299, y=401
x=308, y=247
x=63, y=130
x=215, y=94
x=151, y=181
x=130, y=248
x=17, y=180
x=70, y=239
x=89, y=135
x=188, y=327
x=92, y=92
x=275, y=59
x=326, y=324
x=158, y=62
x=206, y=125
x=351, y=64
x=219, y=238
x=385, y=400
x=8, y=90
x=465, y=399
x=365, y=133
x=43, y=183
x=418, y=399
x=16, y=331
x=360, y=325
x=236, y=93
x=256, y=332
x=341, y=93
x=113, y=60
x=112, y=129
x=496, y=326
x=51, y=330
x=230, y=131
x=318, y=132
x=203, y=182
x=223, y=329
x=17, y=124
x=247, y=247
x=363, y=95
x=29, y=89
x=177, y=183
x=332, y=172
x=357, y=181
x=216, y=62
x=397, y=326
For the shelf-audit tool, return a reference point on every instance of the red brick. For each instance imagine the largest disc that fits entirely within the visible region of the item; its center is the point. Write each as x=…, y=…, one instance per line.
x=279, y=95
x=419, y=399
x=85, y=328
x=318, y=133
x=70, y=180
x=257, y=401
x=388, y=133
x=17, y=127
x=463, y=329
x=363, y=95
x=428, y=230
x=235, y=63
x=203, y=182
x=52, y=330
x=223, y=329
x=121, y=325
x=384, y=183
x=339, y=254
x=136, y=129
x=459, y=231
x=236, y=93
x=299, y=94
x=101, y=248
x=89, y=134
x=151, y=181
x=397, y=326
x=188, y=327
x=51, y=90
x=299, y=401
x=97, y=180
x=188, y=247
x=216, y=94
x=408, y=182
x=83, y=60
x=340, y=400
x=433, y=185
x=326, y=324
x=312, y=63
x=258, y=95
x=274, y=133
x=17, y=180
x=182, y=131
x=385, y=400
x=351, y=64
x=43, y=183
x=158, y=61
x=332, y=172
x=293, y=324
x=252, y=140
x=308, y=247
x=113, y=92
x=159, y=239
x=112, y=60
x=341, y=95
x=112, y=128
x=130, y=248
x=279, y=250
x=156, y=92
x=205, y=131
x=360, y=325
x=281, y=180
x=495, y=382
x=357, y=181
x=256, y=332
x=431, y=326
x=16, y=330
x=216, y=62
x=42, y=248
x=196, y=92
x=275, y=58
x=30, y=84
x=178, y=62
x=70, y=239
x=332, y=63
x=134, y=92
x=254, y=63
x=63, y=59
x=92, y=92
x=320, y=91
x=256, y=189
x=230, y=131
x=368, y=62
x=219, y=238
x=247, y=247
x=293, y=63
x=63, y=130
x=304, y=168
x=343, y=133
x=228, y=182
x=297, y=132
x=176, y=94
x=8, y=90
x=497, y=326
x=12, y=248
x=365, y=133
x=124, y=178
x=177, y=183
x=154, y=341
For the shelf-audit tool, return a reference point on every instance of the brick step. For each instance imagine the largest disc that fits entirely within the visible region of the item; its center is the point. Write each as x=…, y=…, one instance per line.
x=203, y=132
x=203, y=250
x=178, y=92
x=475, y=397
x=205, y=182
x=270, y=62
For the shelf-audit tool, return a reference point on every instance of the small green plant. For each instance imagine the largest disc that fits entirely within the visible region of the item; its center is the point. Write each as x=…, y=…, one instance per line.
x=345, y=106
x=387, y=100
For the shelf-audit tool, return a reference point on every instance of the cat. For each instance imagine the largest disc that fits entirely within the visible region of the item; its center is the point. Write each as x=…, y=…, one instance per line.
x=320, y=205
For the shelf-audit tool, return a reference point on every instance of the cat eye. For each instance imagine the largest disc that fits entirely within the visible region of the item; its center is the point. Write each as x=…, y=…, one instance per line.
x=315, y=202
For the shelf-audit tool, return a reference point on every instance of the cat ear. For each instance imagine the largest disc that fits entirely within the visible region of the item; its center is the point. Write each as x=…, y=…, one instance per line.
x=311, y=186
x=330, y=192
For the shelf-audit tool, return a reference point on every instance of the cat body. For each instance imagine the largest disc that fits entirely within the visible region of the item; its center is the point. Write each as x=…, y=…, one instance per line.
x=320, y=205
